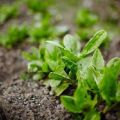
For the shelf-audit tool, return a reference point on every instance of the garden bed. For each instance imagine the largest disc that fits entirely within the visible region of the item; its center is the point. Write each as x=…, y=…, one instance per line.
x=31, y=100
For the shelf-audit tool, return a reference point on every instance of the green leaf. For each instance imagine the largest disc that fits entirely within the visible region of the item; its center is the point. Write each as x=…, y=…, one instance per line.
x=69, y=104
x=80, y=94
x=70, y=55
x=55, y=44
x=84, y=63
x=94, y=42
x=108, y=86
x=45, y=67
x=61, y=88
x=59, y=74
x=92, y=115
x=52, y=64
x=97, y=60
x=71, y=43
x=92, y=78
x=80, y=101
x=70, y=64
x=114, y=65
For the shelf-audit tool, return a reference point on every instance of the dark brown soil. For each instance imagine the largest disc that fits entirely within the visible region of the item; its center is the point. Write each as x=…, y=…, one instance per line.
x=27, y=100
x=11, y=64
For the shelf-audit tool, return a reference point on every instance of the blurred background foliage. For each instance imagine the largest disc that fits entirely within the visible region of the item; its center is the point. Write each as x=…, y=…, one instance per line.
x=52, y=19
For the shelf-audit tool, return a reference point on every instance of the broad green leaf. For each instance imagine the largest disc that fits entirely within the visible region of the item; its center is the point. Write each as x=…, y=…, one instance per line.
x=82, y=98
x=108, y=85
x=114, y=65
x=52, y=49
x=45, y=67
x=84, y=63
x=59, y=74
x=94, y=42
x=70, y=55
x=52, y=64
x=70, y=64
x=91, y=78
x=69, y=104
x=80, y=94
x=97, y=60
x=71, y=43
x=65, y=51
x=55, y=43
x=92, y=115
x=61, y=88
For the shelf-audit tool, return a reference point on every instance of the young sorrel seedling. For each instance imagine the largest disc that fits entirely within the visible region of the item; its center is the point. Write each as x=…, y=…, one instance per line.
x=59, y=62
x=62, y=65
x=38, y=5
x=84, y=15
x=8, y=11
x=44, y=29
x=13, y=35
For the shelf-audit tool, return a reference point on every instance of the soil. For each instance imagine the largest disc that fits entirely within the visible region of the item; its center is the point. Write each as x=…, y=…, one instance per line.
x=30, y=100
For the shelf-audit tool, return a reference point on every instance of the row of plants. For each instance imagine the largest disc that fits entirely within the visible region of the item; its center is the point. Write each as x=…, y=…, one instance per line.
x=44, y=25
x=62, y=66
x=94, y=23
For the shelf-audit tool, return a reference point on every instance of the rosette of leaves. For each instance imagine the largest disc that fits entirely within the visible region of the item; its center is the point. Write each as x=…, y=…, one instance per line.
x=58, y=62
x=14, y=34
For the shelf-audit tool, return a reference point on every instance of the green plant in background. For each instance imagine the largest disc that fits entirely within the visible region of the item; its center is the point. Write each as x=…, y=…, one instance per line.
x=88, y=24
x=8, y=11
x=45, y=29
x=38, y=5
x=13, y=35
x=85, y=18
x=86, y=21
x=40, y=30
